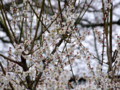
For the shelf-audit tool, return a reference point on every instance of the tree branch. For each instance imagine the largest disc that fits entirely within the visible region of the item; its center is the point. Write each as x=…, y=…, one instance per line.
x=11, y=60
x=100, y=24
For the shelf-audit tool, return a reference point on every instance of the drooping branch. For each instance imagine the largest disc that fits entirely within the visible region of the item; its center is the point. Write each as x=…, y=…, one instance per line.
x=98, y=24
x=23, y=63
x=11, y=60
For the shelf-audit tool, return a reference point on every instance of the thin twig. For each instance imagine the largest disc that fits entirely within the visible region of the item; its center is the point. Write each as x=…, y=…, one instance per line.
x=8, y=22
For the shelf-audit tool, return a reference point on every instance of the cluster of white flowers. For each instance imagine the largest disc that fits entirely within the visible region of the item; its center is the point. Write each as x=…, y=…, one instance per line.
x=43, y=59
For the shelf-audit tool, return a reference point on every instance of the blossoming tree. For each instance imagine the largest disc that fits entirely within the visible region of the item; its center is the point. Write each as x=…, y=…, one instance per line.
x=47, y=40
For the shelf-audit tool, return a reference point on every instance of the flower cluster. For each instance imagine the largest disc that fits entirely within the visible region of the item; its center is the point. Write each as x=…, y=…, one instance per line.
x=47, y=50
